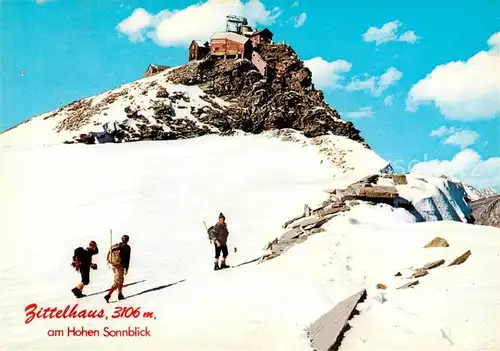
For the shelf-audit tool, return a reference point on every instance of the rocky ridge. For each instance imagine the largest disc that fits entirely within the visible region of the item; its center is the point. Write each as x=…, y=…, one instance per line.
x=285, y=99
x=204, y=97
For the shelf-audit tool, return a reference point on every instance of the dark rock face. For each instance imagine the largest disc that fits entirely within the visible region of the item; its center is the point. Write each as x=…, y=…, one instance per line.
x=285, y=99
x=486, y=211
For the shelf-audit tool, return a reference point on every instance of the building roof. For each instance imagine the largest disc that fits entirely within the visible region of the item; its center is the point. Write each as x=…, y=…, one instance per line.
x=199, y=43
x=230, y=36
x=159, y=66
x=262, y=31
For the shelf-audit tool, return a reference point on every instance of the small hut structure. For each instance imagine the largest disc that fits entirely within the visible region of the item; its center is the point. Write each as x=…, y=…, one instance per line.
x=263, y=36
x=198, y=50
x=230, y=45
x=155, y=69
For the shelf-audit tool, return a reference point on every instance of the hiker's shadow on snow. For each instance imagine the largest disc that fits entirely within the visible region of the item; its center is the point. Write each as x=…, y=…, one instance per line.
x=124, y=285
x=157, y=288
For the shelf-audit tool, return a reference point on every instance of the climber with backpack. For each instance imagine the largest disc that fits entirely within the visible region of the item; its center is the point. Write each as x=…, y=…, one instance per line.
x=119, y=259
x=218, y=234
x=82, y=261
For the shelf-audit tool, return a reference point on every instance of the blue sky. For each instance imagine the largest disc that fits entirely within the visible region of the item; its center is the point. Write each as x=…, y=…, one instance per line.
x=420, y=80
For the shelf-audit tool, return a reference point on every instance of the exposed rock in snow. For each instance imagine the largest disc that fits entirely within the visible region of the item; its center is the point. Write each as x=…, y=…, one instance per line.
x=486, y=211
x=327, y=332
x=432, y=265
x=438, y=242
x=199, y=98
x=461, y=259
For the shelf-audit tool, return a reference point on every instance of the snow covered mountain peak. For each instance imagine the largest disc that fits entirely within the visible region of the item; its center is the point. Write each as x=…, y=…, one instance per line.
x=199, y=98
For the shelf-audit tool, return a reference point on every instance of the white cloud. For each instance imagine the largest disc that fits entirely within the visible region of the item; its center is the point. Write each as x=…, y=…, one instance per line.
x=409, y=37
x=464, y=91
x=376, y=85
x=327, y=74
x=362, y=112
x=388, y=32
x=467, y=166
x=41, y=2
x=440, y=131
x=358, y=85
x=463, y=138
x=387, y=79
x=179, y=27
x=134, y=25
x=383, y=34
x=494, y=41
x=389, y=100
x=300, y=20
x=457, y=137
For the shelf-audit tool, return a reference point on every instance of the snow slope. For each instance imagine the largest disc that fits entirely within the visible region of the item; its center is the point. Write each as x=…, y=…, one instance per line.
x=476, y=194
x=58, y=197
x=436, y=198
x=92, y=113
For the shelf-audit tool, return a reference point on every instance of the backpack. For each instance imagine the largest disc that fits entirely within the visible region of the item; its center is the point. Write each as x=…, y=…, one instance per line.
x=77, y=254
x=210, y=236
x=113, y=257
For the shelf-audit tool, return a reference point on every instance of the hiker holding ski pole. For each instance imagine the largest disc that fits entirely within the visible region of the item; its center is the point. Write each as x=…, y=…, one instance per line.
x=119, y=259
x=218, y=234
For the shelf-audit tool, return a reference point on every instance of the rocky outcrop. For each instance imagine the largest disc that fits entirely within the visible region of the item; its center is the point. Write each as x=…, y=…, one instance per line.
x=286, y=98
x=432, y=265
x=437, y=242
x=461, y=259
x=328, y=331
x=486, y=211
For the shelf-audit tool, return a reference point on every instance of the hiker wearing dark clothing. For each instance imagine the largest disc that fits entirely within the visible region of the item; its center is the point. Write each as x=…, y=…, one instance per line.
x=119, y=258
x=218, y=235
x=82, y=261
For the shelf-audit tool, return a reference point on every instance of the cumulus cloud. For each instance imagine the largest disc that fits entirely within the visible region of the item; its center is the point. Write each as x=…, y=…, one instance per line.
x=389, y=32
x=178, y=27
x=376, y=85
x=467, y=166
x=409, y=37
x=463, y=138
x=134, y=25
x=330, y=75
x=383, y=34
x=461, y=90
x=327, y=75
x=387, y=79
x=389, y=100
x=494, y=41
x=300, y=20
x=454, y=136
x=362, y=112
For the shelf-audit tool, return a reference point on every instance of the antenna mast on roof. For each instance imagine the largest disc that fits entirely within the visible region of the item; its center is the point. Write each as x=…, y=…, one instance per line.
x=234, y=23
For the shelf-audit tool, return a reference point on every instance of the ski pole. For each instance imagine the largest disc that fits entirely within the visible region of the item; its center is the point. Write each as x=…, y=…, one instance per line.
x=206, y=230
x=110, y=240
